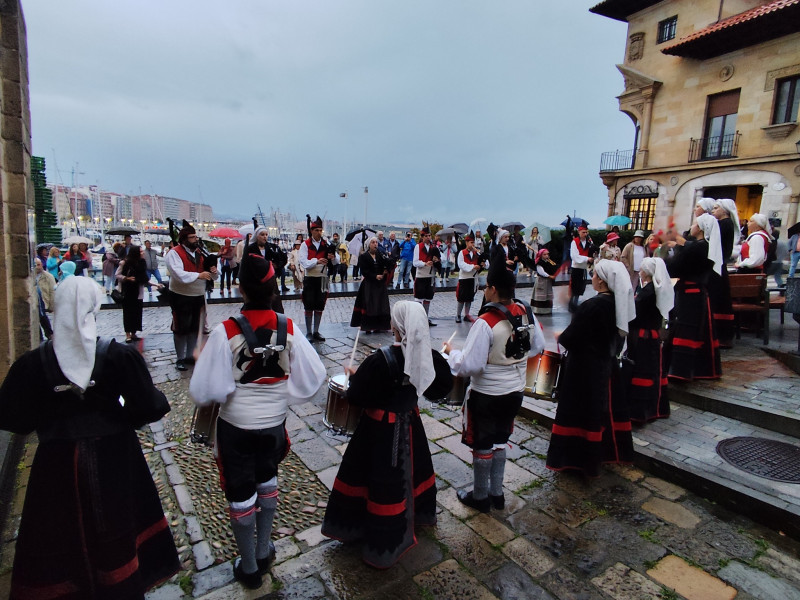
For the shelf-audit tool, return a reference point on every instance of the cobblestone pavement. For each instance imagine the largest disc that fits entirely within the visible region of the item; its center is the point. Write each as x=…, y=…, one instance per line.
x=624, y=535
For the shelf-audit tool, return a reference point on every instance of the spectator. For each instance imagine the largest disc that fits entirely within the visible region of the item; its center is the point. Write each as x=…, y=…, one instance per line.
x=132, y=273
x=227, y=255
x=53, y=260
x=110, y=264
x=794, y=253
x=406, y=260
x=46, y=284
x=150, y=256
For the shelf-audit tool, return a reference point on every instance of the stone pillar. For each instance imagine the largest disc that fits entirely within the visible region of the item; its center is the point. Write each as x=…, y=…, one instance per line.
x=644, y=138
x=18, y=303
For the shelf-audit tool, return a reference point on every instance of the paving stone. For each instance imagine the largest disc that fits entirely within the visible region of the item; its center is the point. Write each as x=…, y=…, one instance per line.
x=516, y=478
x=623, y=583
x=663, y=488
x=306, y=409
x=293, y=423
x=726, y=539
x=447, y=498
x=349, y=577
x=536, y=445
x=490, y=529
x=671, y=512
x=510, y=582
x=175, y=475
x=453, y=470
x=566, y=509
x=622, y=543
x=168, y=591
x=159, y=437
x=328, y=476
x=309, y=588
x=203, y=555
x=535, y=561
x=435, y=429
x=454, y=446
x=448, y=580
x=465, y=545
x=543, y=531
x=757, y=583
x=676, y=540
x=316, y=454
x=211, y=579
x=193, y=529
x=782, y=564
x=285, y=548
x=167, y=457
x=424, y=555
x=690, y=582
x=184, y=499
x=308, y=563
x=312, y=536
x=566, y=586
x=165, y=446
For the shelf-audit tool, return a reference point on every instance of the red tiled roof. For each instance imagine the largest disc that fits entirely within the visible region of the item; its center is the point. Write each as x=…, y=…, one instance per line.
x=769, y=21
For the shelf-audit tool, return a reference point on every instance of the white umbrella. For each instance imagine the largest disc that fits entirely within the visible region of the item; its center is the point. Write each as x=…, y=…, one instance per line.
x=479, y=224
x=544, y=231
x=77, y=239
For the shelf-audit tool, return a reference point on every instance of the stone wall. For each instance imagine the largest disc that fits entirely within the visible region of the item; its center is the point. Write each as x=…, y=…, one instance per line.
x=18, y=306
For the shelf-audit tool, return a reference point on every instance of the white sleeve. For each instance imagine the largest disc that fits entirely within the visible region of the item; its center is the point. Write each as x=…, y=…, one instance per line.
x=304, y=261
x=176, y=270
x=473, y=358
x=212, y=379
x=417, y=262
x=576, y=257
x=306, y=372
x=537, y=343
x=757, y=254
x=464, y=266
x=541, y=271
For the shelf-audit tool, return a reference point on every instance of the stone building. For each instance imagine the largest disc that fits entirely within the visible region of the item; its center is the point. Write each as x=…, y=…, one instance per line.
x=712, y=88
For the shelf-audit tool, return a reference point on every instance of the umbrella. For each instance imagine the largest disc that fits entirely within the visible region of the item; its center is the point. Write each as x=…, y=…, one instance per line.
x=156, y=231
x=793, y=229
x=47, y=245
x=512, y=225
x=479, y=224
x=368, y=233
x=355, y=246
x=544, y=231
x=617, y=220
x=77, y=239
x=122, y=230
x=226, y=232
x=445, y=231
x=576, y=222
x=460, y=227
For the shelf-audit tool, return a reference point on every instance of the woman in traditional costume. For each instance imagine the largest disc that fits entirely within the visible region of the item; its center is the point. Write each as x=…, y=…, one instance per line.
x=92, y=523
x=386, y=485
x=371, y=310
x=644, y=372
x=694, y=352
x=542, y=300
x=592, y=425
x=728, y=218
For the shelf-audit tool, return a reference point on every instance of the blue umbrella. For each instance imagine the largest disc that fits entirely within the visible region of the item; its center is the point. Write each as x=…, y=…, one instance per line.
x=617, y=220
x=576, y=222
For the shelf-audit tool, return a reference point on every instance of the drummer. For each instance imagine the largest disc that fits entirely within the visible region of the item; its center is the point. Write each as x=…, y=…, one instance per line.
x=251, y=429
x=497, y=381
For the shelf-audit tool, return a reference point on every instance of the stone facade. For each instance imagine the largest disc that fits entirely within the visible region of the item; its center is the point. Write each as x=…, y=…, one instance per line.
x=667, y=97
x=18, y=306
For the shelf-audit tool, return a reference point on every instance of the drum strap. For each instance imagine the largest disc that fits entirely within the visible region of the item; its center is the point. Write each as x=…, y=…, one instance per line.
x=250, y=335
x=394, y=366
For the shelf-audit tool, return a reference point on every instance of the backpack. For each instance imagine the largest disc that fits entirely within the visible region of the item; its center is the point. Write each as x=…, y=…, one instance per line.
x=519, y=343
x=258, y=341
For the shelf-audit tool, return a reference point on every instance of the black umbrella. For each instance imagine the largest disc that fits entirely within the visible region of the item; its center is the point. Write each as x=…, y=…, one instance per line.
x=367, y=231
x=122, y=230
x=460, y=227
x=156, y=231
x=793, y=229
x=512, y=225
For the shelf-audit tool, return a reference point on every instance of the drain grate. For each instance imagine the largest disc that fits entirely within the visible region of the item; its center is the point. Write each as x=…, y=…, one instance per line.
x=765, y=458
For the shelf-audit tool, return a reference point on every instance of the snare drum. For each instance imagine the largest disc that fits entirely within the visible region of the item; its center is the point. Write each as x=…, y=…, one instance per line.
x=340, y=416
x=530, y=372
x=204, y=424
x=457, y=393
x=547, y=373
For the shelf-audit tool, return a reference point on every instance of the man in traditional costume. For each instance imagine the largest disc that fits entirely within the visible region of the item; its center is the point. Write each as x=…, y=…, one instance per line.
x=426, y=257
x=252, y=372
x=317, y=258
x=468, y=263
x=386, y=485
x=580, y=254
x=497, y=380
x=92, y=523
x=187, y=284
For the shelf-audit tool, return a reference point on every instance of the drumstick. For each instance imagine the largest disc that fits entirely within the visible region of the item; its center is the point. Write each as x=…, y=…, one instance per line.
x=352, y=357
x=450, y=339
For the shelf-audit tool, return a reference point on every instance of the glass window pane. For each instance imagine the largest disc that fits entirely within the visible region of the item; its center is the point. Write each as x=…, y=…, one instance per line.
x=782, y=102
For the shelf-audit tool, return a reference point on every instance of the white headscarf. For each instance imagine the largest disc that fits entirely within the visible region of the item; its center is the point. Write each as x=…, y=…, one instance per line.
x=710, y=228
x=369, y=241
x=77, y=301
x=411, y=320
x=762, y=222
x=665, y=295
x=616, y=276
x=707, y=204
x=499, y=235
x=730, y=208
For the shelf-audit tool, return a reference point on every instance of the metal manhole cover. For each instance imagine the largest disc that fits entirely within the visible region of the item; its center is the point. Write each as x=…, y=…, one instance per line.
x=770, y=459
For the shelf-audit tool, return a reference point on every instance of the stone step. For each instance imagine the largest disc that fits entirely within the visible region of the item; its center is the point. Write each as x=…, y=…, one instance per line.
x=682, y=449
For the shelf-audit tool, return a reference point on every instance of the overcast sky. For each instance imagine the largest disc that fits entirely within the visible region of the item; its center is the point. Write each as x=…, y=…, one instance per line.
x=448, y=110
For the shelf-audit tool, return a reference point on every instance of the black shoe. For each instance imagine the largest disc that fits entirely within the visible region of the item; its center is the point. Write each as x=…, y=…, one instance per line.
x=310, y=337
x=265, y=563
x=498, y=502
x=466, y=499
x=458, y=319
x=431, y=323
x=249, y=580
x=284, y=289
x=318, y=337
x=181, y=366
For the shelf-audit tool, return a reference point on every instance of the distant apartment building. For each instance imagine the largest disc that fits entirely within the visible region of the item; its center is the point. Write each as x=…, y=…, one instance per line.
x=712, y=89
x=201, y=213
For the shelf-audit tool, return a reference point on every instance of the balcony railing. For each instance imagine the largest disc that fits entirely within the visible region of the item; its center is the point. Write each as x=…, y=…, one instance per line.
x=713, y=148
x=619, y=160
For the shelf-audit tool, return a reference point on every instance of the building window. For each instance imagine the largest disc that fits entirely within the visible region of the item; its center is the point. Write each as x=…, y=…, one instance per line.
x=721, y=138
x=642, y=211
x=787, y=100
x=666, y=29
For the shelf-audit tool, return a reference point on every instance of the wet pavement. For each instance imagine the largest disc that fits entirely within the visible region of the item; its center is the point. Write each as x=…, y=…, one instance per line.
x=629, y=534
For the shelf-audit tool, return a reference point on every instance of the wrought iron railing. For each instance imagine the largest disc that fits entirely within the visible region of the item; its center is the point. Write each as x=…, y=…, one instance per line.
x=619, y=160
x=713, y=148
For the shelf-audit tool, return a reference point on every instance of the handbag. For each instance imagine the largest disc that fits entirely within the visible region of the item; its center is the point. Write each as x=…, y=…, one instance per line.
x=117, y=295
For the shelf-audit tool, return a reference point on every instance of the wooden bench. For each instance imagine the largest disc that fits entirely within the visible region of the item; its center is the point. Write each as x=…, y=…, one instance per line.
x=777, y=302
x=749, y=296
